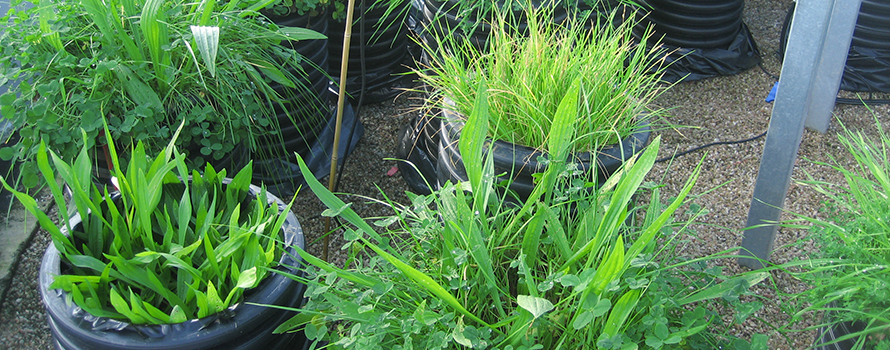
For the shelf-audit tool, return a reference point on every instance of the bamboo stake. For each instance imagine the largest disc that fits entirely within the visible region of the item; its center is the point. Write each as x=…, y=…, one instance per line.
x=341, y=102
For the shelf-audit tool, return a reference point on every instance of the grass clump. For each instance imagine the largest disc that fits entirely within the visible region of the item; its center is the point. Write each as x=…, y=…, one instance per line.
x=528, y=69
x=561, y=270
x=850, y=271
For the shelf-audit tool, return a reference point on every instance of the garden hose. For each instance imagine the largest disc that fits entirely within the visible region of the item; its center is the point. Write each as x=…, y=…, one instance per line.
x=709, y=145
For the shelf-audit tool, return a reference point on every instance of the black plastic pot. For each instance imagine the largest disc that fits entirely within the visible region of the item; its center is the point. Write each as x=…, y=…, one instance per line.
x=521, y=162
x=826, y=338
x=242, y=326
x=378, y=52
x=304, y=118
x=446, y=18
x=868, y=61
x=283, y=177
x=302, y=115
x=701, y=38
x=694, y=24
x=418, y=149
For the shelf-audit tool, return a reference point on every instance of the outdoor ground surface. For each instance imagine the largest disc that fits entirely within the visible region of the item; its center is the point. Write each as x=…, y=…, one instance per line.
x=717, y=109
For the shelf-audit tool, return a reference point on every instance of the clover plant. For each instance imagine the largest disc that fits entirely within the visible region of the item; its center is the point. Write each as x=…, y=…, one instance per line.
x=166, y=247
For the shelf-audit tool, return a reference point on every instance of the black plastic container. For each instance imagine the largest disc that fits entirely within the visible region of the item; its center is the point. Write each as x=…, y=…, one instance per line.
x=701, y=38
x=521, y=162
x=242, y=326
x=418, y=149
x=379, y=54
x=868, y=61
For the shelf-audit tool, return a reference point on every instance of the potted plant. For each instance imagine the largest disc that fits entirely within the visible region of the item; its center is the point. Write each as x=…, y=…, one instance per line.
x=527, y=72
x=559, y=270
x=143, y=66
x=171, y=260
x=848, y=273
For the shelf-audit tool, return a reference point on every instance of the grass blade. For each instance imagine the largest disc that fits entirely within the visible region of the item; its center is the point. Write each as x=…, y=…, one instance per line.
x=334, y=203
x=425, y=282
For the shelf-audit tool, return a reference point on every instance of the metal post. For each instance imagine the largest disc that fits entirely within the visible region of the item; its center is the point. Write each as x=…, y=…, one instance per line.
x=814, y=61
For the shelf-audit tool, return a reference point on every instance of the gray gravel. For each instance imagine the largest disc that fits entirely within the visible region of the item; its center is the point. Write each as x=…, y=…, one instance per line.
x=718, y=109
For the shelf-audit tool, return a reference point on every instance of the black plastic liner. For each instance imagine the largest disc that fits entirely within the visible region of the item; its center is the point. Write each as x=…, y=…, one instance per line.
x=242, y=326
x=689, y=64
x=867, y=70
x=521, y=162
x=868, y=62
x=700, y=39
x=282, y=176
x=386, y=57
x=418, y=149
x=833, y=331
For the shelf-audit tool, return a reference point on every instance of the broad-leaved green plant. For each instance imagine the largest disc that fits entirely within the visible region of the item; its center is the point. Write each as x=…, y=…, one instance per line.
x=166, y=247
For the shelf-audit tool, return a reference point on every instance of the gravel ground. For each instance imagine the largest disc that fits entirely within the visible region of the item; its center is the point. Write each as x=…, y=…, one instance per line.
x=718, y=109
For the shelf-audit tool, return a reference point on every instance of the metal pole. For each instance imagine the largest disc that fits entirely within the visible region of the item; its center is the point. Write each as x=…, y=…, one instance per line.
x=817, y=49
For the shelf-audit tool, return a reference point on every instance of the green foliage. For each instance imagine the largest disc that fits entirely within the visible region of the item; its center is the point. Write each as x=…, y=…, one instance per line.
x=464, y=269
x=336, y=8
x=163, y=249
x=143, y=67
x=475, y=15
x=284, y=8
x=529, y=69
x=850, y=271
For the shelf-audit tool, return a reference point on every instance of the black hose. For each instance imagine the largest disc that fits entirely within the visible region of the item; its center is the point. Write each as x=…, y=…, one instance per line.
x=865, y=102
x=709, y=145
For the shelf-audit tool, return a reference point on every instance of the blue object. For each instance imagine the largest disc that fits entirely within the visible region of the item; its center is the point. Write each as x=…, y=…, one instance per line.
x=772, y=93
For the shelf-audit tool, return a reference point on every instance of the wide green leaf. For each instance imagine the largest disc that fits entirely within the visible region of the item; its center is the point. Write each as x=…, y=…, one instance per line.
x=207, y=40
x=152, y=21
x=535, y=305
x=620, y=312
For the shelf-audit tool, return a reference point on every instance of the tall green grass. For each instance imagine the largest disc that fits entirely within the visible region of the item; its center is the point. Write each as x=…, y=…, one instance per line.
x=529, y=69
x=849, y=273
x=464, y=269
